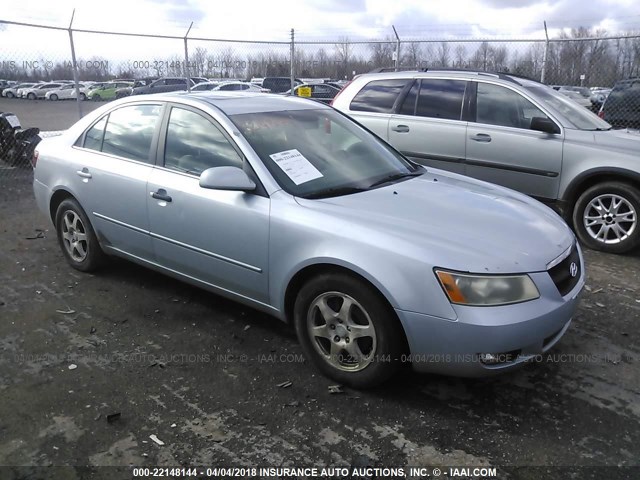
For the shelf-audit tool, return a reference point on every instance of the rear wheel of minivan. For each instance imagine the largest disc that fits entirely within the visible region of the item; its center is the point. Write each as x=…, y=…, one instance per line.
x=605, y=217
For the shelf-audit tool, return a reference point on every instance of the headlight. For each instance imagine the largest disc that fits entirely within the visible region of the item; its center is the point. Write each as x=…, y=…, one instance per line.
x=485, y=290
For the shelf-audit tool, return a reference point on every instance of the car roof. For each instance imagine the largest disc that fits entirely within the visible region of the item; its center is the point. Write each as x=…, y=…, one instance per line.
x=462, y=74
x=235, y=103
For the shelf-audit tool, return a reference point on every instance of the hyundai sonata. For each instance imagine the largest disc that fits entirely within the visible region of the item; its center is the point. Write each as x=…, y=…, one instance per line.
x=292, y=208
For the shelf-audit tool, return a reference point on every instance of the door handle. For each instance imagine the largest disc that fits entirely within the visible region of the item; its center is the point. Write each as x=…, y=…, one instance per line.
x=481, y=137
x=161, y=194
x=84, y=173
x=400, y=128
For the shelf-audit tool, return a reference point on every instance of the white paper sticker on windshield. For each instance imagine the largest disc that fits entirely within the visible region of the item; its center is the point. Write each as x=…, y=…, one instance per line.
x=13, y=121
x=296, y=166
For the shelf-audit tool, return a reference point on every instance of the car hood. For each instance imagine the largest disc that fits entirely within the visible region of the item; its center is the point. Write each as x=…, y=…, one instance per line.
x=619, y=139
x=460, y=223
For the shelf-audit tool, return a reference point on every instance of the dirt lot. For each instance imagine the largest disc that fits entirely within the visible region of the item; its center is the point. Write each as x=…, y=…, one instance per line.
x=157, y=357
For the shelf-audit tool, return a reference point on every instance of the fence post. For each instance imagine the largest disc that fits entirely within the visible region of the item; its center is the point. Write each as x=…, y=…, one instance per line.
x=292, y=73
x=186, y=59
x=397, y=62
x=75, y=67
x=543, y=75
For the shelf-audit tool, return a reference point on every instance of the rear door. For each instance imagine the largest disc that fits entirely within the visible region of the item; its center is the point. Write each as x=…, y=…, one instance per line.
x=110, y=165
x=428, y=127
x=502, y=148
x=374, y=103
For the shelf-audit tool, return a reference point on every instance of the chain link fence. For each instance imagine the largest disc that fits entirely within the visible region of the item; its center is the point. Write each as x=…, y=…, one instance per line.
x=40, y=65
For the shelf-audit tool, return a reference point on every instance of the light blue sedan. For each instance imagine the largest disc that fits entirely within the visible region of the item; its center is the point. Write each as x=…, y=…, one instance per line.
x=292, y=208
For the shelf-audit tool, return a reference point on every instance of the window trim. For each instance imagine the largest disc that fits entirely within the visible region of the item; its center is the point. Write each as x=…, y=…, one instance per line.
x=409, y=82
x=154, y=138
x=162, y=139
x=474, y=105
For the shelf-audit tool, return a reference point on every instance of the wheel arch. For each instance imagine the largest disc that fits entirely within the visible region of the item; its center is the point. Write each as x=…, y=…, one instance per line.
x=57, y=198
x=593, y=177
x=299, y=279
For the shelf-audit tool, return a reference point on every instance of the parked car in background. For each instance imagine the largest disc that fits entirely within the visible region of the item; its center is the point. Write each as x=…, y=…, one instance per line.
x=322, y=92
x=163, y=85
x=141, y=82
x=292, y=208
x=67, y=91
x=12, y=91
x=278, y=84
x=198, y=80
x=39, y=91
x=597, y=98
x=205, y=86
x=622, y=107
x=577, y=97
x=106, y=91
x=583, y=91
x=239, y=86
x=513, y=132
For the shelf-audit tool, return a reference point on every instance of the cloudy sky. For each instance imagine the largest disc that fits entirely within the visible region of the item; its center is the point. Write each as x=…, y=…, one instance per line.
x=330, y=19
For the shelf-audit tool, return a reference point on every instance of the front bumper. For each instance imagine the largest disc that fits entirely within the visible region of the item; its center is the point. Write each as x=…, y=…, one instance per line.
x=515, y=333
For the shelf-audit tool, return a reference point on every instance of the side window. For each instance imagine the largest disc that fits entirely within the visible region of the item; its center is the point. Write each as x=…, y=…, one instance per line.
x=378, y=96
x=441, y=98
x=498, y=105
x=408, y=106
x=194, y=144
x=93, y=137
x=130, y=130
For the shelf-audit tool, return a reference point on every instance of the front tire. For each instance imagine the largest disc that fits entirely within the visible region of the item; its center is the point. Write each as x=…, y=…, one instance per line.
x=77, y=238
x=606, y=216
x=96, y=98
x=54, y=97
x=31, y=96
x=348, y=331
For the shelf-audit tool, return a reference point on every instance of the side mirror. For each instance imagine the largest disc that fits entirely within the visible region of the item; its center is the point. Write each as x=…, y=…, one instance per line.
x=543, y=124
x=226, y=178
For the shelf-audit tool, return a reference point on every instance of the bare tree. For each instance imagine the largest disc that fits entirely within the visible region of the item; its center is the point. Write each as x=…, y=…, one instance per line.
x=443, y=54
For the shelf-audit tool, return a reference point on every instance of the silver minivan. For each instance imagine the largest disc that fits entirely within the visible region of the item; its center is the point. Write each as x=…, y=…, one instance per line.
x=513, y=132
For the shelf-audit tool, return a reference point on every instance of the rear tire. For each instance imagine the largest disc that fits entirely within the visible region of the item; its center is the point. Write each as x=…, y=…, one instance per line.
x=77, y=238
x=606, y=215
x=31, y=96
x=348, y=331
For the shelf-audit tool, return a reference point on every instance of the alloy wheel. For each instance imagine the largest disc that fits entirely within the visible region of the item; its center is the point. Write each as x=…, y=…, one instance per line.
x=74, y=235
x=341, y=331
x=610, y=218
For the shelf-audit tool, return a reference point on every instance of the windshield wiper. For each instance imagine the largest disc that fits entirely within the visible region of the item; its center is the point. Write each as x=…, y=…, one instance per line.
x=334, y=192
x=394, y=177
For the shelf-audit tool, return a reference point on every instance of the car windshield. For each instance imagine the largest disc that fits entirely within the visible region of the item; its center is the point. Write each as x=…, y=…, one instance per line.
x=320, y=153
x=578, y=116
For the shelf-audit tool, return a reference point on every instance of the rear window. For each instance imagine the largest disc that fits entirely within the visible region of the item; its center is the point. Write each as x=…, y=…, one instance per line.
x=378, y=96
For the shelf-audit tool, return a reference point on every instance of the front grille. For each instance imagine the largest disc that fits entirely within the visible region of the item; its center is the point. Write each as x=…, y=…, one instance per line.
x=562, y=275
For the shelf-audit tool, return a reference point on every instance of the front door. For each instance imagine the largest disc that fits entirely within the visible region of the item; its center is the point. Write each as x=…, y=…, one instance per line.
x=502, y=149
x=218, y=237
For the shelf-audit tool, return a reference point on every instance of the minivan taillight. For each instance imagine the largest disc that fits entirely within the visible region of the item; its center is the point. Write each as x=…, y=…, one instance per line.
x=34, y=159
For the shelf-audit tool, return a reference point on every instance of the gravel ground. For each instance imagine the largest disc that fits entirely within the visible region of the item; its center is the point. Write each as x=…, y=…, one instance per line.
x=154, y=356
